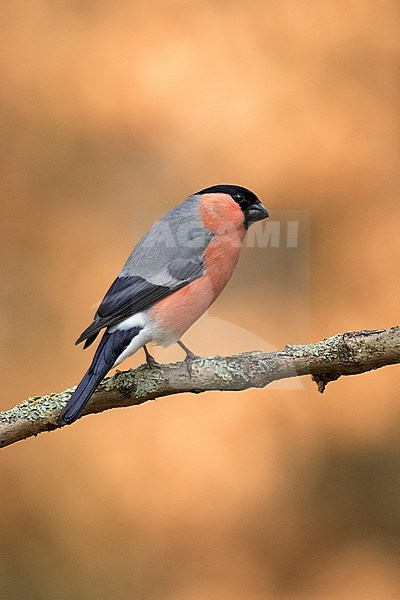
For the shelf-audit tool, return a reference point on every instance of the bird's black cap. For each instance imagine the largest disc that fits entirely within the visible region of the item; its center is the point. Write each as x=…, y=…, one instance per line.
x=244, y=197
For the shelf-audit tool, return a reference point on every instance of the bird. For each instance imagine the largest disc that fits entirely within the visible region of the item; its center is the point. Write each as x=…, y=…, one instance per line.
x=172, y=276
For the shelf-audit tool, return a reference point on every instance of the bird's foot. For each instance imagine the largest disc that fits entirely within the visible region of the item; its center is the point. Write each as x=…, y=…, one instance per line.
x=150, y=360
x=190, y=357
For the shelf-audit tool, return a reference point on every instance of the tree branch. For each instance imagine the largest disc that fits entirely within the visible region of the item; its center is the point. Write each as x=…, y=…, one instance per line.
x=343, y=354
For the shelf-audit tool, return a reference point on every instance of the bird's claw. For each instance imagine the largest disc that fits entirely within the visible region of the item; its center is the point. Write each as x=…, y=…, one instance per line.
x=190, y=358
x=150, y=360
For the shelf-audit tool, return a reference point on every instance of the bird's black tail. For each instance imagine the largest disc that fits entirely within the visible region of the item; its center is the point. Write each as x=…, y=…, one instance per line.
x=110, y=348
x=82, y=395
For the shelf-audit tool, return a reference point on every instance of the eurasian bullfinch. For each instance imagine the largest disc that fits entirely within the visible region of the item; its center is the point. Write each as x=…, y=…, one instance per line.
x=170, y=279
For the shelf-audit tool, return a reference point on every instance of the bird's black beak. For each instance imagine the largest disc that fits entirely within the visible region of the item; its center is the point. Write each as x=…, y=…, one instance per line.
x=257, y=212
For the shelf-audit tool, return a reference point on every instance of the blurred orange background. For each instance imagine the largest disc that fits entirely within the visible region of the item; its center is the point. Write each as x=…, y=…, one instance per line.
x=111, y=113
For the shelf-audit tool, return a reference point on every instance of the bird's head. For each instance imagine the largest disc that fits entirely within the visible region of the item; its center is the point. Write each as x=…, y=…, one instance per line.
x=250, y=205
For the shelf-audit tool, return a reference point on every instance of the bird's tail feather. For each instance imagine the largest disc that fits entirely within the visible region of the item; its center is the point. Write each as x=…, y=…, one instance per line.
x=110, y=348
x=82, y=395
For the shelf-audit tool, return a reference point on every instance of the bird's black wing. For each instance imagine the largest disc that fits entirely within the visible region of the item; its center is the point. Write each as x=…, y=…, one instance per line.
x=131, y=294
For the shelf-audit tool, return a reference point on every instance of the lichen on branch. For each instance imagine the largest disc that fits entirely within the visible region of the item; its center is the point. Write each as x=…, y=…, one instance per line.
x=349, y=353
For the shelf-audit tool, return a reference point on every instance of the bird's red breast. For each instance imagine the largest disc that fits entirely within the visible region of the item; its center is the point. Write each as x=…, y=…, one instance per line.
x=176, y=313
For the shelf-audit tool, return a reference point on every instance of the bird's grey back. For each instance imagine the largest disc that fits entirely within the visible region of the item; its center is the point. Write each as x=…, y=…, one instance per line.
x=178, y=239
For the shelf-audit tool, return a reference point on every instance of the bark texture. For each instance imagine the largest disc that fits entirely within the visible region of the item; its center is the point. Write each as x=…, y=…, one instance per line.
x=348, y=353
